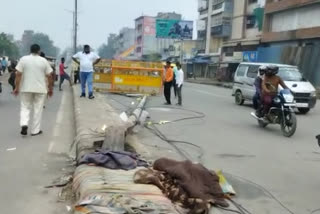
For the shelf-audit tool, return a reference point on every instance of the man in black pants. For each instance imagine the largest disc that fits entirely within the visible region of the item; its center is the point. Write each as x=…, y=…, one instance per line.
x=168, y=79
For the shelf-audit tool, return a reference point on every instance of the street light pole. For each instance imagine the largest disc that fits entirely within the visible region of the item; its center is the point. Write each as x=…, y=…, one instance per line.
x=75, y=26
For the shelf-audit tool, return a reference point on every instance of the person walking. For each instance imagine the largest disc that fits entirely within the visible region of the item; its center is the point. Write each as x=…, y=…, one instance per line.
x=179, y=82
x=63, y=74
x=4, y=64
x=86, y=59
x=168, y=79
x=12, y=71
x=32, y=74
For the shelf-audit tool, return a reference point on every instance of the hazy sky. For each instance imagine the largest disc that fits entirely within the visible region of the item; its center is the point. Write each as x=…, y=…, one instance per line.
x=97, y=18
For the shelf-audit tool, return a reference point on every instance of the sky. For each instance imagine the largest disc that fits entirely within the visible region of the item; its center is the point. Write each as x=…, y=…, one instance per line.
x=97, y=18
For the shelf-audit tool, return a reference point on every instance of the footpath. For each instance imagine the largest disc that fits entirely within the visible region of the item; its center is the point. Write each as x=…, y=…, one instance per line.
x=111, y=177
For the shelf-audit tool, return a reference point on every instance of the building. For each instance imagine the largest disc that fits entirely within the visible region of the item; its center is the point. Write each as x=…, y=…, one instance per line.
x=244, y=40
x=231, y=30
x=173, y=15
x=125, y=41
x=291, y=35
x=145, y=36
x=147, y=45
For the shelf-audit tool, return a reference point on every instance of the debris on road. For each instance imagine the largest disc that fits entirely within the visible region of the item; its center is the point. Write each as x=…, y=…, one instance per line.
x=191, y=185
x=11, y=149
x=113, y=159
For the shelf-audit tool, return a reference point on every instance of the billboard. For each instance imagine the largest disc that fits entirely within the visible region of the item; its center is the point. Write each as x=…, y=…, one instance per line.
x=174, y=29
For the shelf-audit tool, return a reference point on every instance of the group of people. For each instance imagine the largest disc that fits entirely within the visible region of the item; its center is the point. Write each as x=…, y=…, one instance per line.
x=266, y=84
x=173, y=77
x=33, y=79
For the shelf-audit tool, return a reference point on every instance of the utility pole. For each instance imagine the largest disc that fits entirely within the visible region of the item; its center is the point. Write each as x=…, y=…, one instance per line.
x=75, y=26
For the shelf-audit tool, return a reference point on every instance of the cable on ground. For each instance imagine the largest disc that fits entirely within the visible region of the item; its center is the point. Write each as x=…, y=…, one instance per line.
x=265, y=190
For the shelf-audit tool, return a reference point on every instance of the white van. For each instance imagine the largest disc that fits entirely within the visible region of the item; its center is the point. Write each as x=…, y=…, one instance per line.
x=304, y=92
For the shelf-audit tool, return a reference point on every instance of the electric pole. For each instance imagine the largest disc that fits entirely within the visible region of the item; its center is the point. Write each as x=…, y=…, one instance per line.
x=75, y=26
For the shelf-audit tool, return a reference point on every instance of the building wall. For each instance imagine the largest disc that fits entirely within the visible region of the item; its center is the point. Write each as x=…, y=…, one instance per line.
x=304, y=17
x=305, y=57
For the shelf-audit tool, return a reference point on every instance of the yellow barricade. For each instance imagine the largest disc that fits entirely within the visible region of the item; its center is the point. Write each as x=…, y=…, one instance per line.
x=102, y=79
x=137, y=77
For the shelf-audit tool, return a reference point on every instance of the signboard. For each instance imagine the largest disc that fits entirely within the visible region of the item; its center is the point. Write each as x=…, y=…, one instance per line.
x=149, y=23
x=174, y=29
x=250, y=56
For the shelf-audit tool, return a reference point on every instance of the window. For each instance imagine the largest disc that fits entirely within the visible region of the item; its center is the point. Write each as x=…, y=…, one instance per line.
x=251, y=21
x=229, y=51
x=138, y=50
x=253, y=71
x=242, y=70
x=252, y=1
x=217, y=6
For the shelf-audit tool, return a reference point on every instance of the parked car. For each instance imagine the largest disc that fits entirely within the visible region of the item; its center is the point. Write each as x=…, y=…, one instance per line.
x=304, y=93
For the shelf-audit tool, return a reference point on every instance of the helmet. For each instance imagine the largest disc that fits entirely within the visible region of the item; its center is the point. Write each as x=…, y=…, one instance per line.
x=262, y=70
x=272, y=70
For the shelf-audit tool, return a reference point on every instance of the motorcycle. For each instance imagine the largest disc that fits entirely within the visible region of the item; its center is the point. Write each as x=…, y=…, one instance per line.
x=282, y=113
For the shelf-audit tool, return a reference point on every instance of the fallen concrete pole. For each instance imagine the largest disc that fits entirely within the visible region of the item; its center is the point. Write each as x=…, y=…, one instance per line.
x=115, y=135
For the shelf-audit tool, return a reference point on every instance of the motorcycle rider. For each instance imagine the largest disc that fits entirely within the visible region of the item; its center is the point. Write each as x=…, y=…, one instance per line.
x=270, y=86
x=258, y=85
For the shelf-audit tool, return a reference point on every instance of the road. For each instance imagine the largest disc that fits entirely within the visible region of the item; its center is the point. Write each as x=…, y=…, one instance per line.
x=232, y=141
x=28, y=164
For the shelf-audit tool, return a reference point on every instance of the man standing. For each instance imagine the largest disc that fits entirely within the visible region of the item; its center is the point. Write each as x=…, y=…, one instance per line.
x=33, y=72
x=175, y=71
x=179, y=82
x=63, y=74
x=86, y=60
x=168, y=79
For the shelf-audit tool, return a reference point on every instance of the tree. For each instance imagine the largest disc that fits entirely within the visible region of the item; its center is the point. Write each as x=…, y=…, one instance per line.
x=109, y=50
x=8, y=47
x=46, y=44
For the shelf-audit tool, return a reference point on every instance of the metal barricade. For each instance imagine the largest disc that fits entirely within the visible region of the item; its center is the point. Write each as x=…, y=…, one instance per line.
x=102, y=79
x=136, y=77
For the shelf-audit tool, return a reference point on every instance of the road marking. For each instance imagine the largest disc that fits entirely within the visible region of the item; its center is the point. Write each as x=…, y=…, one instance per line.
x=211, y=94
x=56, y=130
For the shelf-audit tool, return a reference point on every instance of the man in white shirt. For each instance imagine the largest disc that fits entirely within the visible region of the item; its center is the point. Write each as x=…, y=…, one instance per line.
x=33, y=74
x=86, y=59
x=179, y=82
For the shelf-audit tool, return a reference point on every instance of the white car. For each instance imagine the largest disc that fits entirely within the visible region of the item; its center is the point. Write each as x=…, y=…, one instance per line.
x=304, y=92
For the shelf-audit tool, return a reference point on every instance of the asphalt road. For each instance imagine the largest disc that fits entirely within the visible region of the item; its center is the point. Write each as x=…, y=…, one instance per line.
x=232, y=141
x=28, y=164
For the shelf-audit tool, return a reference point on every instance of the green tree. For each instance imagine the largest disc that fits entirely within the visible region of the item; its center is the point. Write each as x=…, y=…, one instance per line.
x=46, y=44
x=8, y=47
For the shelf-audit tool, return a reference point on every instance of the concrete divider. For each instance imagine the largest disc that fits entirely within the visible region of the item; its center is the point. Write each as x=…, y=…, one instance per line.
x=92, y=118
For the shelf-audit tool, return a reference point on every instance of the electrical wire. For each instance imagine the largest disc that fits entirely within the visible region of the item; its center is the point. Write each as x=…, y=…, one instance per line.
x=265, y=190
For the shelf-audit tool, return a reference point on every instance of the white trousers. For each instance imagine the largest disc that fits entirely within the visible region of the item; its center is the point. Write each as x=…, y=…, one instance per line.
x=32, y=102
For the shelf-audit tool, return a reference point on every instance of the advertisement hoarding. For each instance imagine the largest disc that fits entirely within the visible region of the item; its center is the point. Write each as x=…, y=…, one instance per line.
x=174, y=29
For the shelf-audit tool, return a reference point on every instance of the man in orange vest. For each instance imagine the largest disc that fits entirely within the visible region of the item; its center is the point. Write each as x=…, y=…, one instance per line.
x=168, y=80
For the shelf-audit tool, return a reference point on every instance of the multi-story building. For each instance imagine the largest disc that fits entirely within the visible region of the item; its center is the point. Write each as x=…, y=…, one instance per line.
x=214, y=24
x=230, y=26
x=145, y=36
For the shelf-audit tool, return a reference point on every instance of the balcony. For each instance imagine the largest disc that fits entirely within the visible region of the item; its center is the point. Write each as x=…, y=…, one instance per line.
x=221, y=30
